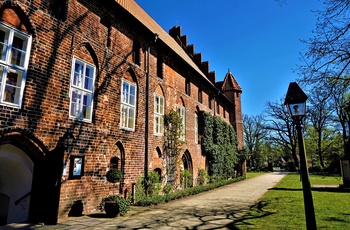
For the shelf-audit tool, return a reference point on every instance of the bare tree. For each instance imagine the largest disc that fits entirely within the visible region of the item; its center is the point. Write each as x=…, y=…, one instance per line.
x=328, y=53
x=342, y=105
x=320, y=116
x=254, y=136
x=282, y=130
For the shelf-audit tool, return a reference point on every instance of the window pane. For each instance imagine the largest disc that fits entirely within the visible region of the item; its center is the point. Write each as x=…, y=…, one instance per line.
x=1, y=73
x=75, y=103
x=18, y=51
x=14, y=78
x=87, y=106
x=156, y=124
x=131, y=118
x=78, y=71
x=156, y=104
x=13, y=87
x=89, y=79
x=161, y=105
x=12, y=94
x=132, y=95
x=3, y=44
x=123, y=117
x=161, y=125
x=125, y=93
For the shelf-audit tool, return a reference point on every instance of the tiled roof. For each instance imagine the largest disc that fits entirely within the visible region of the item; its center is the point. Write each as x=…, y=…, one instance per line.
x=133, y=8
x=229, y=82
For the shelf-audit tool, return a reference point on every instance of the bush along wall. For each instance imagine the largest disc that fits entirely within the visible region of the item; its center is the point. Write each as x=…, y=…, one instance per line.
x=219, y=145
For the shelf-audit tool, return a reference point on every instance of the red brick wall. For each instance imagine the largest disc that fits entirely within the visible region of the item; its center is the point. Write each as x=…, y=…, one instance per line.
x=45, y=109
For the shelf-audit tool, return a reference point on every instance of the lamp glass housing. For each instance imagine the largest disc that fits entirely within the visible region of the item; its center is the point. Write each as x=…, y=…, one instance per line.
x=297, y=109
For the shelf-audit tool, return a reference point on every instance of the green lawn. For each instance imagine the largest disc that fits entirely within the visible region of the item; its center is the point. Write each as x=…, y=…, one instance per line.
x=253, y=174
x=283, y=206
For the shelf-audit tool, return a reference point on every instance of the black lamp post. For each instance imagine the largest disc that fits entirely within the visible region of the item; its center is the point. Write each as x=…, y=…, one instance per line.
x=296, y=104
x=68, y=140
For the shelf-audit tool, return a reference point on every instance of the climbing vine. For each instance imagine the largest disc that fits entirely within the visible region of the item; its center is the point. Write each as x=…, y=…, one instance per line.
x=219, y=144
x=173, y=130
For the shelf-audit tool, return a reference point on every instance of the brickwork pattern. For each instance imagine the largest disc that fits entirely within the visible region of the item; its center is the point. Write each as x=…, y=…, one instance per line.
x=45, y=110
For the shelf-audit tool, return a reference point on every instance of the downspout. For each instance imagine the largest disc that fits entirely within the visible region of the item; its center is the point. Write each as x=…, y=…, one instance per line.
x=147, y=110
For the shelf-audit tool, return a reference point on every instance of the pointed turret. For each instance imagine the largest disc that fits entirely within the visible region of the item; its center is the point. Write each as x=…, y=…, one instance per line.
x=231, y=89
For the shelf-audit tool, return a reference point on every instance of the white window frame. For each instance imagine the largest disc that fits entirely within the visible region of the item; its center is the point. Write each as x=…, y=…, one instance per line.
x=127, y=108
x=195, y=128
x=79, y=88
x=158, y=115
x=182, y=112
x=14, y=89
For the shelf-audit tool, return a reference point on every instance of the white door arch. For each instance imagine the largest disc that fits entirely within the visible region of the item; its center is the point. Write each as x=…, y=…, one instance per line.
x=16, y=177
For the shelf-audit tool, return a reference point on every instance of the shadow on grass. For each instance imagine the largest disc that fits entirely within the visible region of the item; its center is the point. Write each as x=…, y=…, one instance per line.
x=316, y=189
x=331, y=189
x=286, y=189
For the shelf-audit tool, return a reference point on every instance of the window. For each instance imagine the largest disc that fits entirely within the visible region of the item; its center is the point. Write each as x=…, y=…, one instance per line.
x=128, y=105
x=188, y=87
x=158, y=114
x=136, y=53
x=82, y=89
x=160, y=66
x=195, y=128
x=210, y=101
x=14, y=54
x=200, y=97
x=182, y=112
x=58, y=9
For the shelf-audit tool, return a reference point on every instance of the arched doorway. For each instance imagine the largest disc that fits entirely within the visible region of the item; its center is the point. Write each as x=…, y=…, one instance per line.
x=186, y=170
x=16, y=177
x=30, y=178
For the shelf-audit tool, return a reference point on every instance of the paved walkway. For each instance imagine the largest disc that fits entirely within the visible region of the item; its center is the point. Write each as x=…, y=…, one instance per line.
x=215, y=209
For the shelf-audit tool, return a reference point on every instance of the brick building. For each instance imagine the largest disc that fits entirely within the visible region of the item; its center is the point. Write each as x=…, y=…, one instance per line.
x=80, y=70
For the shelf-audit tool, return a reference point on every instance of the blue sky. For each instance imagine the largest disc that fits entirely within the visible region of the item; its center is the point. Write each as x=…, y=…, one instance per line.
x=258, y=40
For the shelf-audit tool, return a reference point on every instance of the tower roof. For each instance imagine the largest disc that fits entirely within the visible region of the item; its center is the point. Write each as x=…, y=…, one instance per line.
x=229, y=83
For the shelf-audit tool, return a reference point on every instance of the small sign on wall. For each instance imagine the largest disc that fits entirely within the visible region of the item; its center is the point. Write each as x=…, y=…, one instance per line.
x=76, y=167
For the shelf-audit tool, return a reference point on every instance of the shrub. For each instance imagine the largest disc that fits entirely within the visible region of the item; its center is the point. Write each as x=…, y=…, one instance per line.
x=153, y=183
x=203, y=177
x=123, y=204
x=167, y=189
x=114, y=175
x=186, y=178
x=154, y=200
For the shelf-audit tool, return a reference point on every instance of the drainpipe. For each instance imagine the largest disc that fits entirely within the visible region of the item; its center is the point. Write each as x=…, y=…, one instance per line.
x=147, y=108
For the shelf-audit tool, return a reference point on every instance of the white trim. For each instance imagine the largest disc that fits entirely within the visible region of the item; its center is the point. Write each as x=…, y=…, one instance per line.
x=81, y=89
x=7, y=66
x=182, y=112
x=159, y=115
x=195, y=128
x=128, y=106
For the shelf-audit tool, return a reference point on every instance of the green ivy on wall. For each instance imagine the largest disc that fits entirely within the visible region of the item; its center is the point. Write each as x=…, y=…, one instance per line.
x=173, y=130
x=219, y=144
